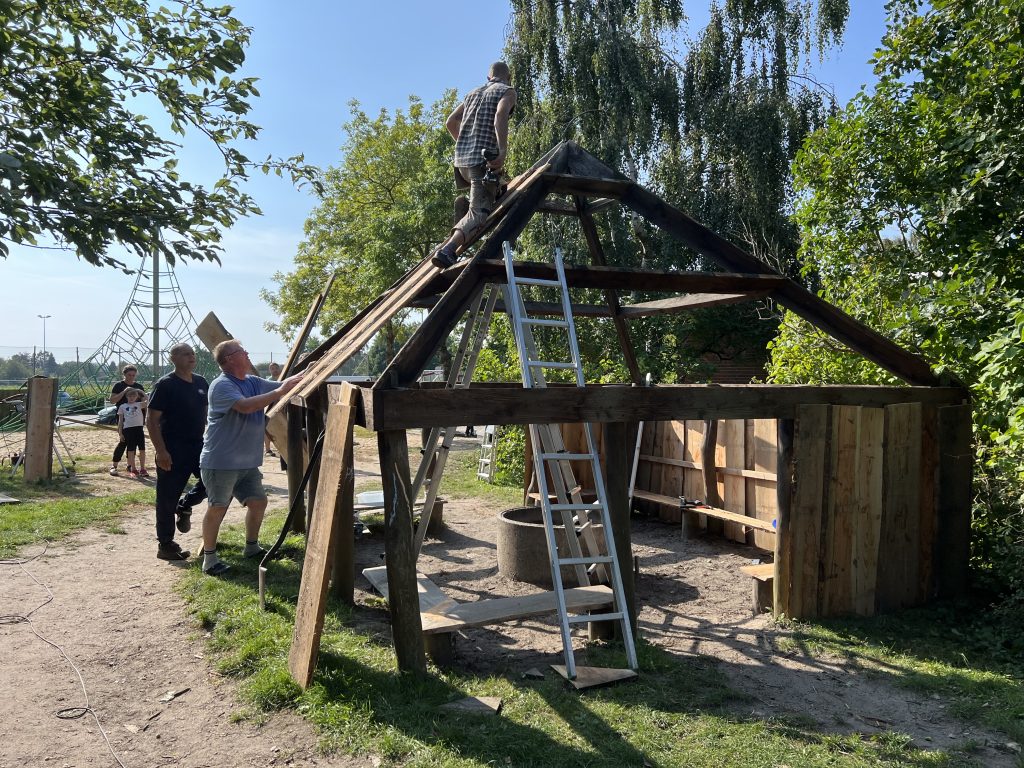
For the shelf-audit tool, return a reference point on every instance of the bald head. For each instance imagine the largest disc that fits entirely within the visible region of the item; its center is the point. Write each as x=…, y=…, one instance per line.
x=499, y=71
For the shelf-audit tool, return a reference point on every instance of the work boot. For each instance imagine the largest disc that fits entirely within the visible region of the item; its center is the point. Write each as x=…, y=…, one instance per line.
x=171, y=550
x=443, y=258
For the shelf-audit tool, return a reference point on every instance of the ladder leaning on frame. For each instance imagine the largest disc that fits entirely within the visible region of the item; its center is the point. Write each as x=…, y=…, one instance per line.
x=550, y=456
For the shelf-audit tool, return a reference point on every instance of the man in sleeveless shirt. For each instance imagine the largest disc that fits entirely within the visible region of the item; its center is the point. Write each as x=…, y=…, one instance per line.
x=480, y=123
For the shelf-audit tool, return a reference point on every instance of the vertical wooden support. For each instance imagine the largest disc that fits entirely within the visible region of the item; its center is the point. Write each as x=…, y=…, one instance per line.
x=926, y=583
x=734, y=486
x=338, y=463
x=40, y=412
x=899, y=540
x=296, y=464
x=782, y=582
x=810, y=488
x=314, y=426
x=953, y=531
x=708, y=470
x=867, y=523
x=835, y=593
x=400, y=549
x=619, y=436
x=343, y=569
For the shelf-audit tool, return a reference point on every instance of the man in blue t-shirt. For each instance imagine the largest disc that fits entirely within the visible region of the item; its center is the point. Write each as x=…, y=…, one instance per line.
x=233, y=448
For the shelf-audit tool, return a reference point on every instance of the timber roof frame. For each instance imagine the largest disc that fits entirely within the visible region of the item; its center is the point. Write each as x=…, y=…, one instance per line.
x=569, y=170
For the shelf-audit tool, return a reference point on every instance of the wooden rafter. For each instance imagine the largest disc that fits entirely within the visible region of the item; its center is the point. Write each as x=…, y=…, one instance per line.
x=687, y=303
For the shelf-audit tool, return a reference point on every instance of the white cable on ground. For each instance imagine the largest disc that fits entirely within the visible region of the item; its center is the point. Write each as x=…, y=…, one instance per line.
x=67, y=713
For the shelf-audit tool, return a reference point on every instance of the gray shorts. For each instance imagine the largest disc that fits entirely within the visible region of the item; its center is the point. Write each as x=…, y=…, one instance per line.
x=242, y=484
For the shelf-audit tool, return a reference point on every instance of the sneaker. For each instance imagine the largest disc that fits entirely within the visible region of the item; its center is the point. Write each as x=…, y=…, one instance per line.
x=217, y=569
x=442, y=259
x=184, y=521
x=132, y=472
x=143, y=472
x=171, y=550
x=258, y=552
x=113, y=472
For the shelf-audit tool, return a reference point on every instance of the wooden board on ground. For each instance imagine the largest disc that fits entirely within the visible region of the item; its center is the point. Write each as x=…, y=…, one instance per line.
x=431, y=596
x=594, y=677
x=474, y=705
x=336, y=460
x=502, y=609
x=5, y=499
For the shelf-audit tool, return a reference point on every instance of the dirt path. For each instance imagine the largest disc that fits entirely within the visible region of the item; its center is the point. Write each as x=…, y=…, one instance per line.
x=117, y=617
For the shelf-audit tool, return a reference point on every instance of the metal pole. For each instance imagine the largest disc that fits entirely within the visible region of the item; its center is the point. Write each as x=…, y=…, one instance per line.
x=43, y=318
x=156, y=314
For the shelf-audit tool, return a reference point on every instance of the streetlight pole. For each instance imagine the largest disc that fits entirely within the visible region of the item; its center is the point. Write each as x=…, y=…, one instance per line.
x=44, y=318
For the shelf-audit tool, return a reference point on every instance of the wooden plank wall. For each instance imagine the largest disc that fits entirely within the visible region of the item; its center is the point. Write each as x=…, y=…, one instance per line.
x=670, y=465
x=879, y=514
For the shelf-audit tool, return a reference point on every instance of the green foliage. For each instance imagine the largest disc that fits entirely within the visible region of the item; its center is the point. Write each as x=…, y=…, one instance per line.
x=380, y=211
x=912, y=218
x=713, y=133
x=80, y=165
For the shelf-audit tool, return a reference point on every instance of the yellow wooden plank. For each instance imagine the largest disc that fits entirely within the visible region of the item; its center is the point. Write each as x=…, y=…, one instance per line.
x=764, y=477
x=761, y=571
x=431, y=596
x=868, y=520
x=835, y=596
x=734, y=487
x=810, y=461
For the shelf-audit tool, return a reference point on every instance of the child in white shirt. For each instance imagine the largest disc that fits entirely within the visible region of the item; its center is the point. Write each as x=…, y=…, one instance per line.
x=130, y=419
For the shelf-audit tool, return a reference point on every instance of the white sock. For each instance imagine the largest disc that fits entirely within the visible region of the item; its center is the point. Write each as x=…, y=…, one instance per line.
x=210, y=558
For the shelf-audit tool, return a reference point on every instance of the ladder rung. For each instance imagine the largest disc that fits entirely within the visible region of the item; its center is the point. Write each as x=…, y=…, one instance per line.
x=587, y=618
x=537, y=281
x=567, y=456
x=548, y=364
x=545, y=322
x=585, y=560
x=575, y=507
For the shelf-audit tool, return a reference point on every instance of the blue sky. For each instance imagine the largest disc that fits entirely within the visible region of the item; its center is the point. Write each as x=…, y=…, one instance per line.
x=312, y=58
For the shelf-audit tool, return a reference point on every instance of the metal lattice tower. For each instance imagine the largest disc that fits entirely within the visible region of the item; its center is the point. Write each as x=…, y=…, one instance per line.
x=156, y=318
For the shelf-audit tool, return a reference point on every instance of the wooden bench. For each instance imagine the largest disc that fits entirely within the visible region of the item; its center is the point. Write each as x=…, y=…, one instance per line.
x=763, y=575
x=715, y=512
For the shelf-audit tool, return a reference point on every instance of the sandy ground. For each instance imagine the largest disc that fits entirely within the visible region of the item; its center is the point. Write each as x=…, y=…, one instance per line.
x=114, y=613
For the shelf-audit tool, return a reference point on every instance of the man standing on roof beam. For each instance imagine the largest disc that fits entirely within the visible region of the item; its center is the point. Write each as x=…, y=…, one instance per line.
x=479, y=126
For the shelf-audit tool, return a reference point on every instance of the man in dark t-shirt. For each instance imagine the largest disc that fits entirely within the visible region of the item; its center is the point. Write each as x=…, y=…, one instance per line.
x=128, y=373
x=176, y=421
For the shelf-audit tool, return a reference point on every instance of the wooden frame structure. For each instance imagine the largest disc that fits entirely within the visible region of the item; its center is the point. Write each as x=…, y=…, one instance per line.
x=569, y=181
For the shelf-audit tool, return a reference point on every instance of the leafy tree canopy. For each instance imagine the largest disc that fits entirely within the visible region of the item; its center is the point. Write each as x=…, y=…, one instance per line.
x=381, y=210
x=79, y=162
x=912, y=215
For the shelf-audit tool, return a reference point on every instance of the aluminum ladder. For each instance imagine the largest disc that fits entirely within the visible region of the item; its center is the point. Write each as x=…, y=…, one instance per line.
x=550, y=454
x=439, y=441
x=485, y=468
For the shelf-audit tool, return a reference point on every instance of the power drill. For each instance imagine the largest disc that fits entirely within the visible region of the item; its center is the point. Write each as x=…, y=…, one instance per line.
x=492, y=177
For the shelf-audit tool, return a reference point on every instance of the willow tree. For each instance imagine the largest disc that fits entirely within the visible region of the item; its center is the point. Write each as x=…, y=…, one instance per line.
x=711, y=127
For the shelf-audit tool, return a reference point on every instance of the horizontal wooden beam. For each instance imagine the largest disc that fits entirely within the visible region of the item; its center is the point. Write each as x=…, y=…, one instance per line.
x=587, y=186
x=686, y=303
x=557, y=207
x=512, y=404
x=600, y=204
x=623, y=279
x=543, y=308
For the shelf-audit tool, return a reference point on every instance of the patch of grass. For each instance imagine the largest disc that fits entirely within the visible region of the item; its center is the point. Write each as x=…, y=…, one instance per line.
x=460, y=482
x=53, y=509
x=941, y=650
x=681, y=711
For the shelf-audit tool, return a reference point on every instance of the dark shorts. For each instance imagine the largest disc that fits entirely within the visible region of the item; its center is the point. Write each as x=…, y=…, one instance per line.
x=135, y=438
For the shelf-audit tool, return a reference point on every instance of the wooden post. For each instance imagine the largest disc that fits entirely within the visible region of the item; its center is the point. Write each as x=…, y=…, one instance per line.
x=314, y=426
x=400, y=551
x=783, y=540
x=296, y=465
x=338, y=462
x=953, y=530
x=343, y=578
x=617, y=439
x=40, y=412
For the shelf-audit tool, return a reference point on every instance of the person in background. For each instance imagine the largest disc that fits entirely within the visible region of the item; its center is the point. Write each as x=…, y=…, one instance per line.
x=117, y=392
x=130, y=421
x=275, y=375
x=176, y=420
x=231, y=458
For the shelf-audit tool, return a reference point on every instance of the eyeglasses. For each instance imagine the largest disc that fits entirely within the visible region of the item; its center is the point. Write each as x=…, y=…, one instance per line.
x=229, y=354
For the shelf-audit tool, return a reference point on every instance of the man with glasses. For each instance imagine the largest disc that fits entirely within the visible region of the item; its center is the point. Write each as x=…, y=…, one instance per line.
x=233, y=448
x=176, y=420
